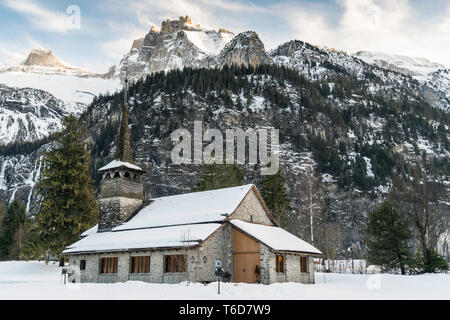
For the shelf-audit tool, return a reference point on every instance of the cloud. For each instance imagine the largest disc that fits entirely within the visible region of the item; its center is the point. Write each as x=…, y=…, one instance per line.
x=377, y=25
x=46, y=19
x=15, y=53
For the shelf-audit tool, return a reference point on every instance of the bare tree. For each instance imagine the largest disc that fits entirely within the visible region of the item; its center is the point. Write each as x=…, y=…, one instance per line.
x=310, y=216
x=421, y=198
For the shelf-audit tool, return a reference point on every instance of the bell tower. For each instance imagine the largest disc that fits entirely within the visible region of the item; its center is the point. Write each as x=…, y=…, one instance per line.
x=121, y=186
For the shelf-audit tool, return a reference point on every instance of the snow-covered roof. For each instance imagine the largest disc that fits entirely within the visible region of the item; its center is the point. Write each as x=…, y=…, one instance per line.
x=168, y=237
x=90, y=231
x=119, y=164
x=197, y=207
x=275, y=238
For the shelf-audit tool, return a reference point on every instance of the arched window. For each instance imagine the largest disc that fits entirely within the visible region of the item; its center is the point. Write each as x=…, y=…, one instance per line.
x=127, y=175
x=117, y=174
x=107, y=176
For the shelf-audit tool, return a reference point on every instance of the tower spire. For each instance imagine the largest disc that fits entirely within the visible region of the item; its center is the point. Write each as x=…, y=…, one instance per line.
x=123, y=151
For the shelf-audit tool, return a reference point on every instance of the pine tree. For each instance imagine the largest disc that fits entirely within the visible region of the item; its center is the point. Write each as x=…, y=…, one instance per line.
x=218, y=176
x=13, y=223
x=276, y=197
x=68, y=206
x=388, y=236
x=2, y=215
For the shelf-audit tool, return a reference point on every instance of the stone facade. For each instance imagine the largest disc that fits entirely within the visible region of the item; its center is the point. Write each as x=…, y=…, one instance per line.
x=250, y=210
x=291, y=268
x=113, y=211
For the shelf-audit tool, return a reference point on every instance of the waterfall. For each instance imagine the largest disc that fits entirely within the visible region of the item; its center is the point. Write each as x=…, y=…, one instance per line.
x=2, y=175
x=12, y=197
x=34, y=177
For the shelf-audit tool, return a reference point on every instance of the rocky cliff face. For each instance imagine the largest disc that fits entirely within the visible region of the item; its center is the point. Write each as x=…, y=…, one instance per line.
x=433, y=77
x=44, y=58
x=44, y=61
x=245, y=49
x=180, y=43
x=27, y=115
x=415, y=67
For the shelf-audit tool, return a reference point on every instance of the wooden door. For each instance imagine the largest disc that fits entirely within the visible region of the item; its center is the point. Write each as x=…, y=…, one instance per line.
x=246, y=258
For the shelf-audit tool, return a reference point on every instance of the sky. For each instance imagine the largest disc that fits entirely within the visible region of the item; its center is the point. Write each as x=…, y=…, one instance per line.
x=95, y=34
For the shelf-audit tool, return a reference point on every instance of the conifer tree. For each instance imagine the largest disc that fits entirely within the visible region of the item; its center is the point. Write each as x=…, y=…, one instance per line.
x=276, y=197
x=13, y=222
x=218, y=176
x=68, y=206
x=388, y=236
x=2, y=215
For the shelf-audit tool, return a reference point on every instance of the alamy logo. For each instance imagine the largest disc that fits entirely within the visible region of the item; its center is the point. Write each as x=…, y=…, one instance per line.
x=73, y=20
x=261, y=150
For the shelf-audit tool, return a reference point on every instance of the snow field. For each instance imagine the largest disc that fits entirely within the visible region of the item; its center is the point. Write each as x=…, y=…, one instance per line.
x=36, y=280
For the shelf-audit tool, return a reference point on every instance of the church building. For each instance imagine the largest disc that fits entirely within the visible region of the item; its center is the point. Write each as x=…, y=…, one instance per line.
x=183, y=237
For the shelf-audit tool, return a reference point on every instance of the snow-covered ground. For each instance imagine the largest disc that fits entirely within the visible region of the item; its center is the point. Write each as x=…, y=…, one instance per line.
x=69, y=88
x=36, y=280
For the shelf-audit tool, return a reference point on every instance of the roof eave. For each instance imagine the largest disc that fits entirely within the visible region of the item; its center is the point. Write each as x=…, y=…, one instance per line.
x=77, y=253
x=140, y=170
x=271, y=248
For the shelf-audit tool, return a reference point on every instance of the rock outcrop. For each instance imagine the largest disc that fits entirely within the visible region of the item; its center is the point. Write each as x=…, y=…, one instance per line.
x=45, y=58
x=245, y=49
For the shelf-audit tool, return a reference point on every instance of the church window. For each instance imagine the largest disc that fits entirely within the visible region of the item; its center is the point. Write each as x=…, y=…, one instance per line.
x=109, y=265
x=174, y=263
x=303, y=265
x=280, y=264
x=140, y=264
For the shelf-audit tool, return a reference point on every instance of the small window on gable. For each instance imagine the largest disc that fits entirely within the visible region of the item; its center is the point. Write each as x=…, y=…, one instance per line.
x=174, y=263
x=280, y=264
x=303, y=264
x=127, y=175
x=117, y=175
x=82, y=264
x=107, y=176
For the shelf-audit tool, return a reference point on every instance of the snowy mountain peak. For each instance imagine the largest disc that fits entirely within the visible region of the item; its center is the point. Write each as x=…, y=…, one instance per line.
x=178, y=44
x=44, y=58
x=245, y=49
x=45, y=62
x=411, y=66
x=155, y=29
x=183, y=23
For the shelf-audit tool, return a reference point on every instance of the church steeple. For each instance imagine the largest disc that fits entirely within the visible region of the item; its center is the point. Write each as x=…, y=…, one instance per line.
x=123, y=148
x=121, y=186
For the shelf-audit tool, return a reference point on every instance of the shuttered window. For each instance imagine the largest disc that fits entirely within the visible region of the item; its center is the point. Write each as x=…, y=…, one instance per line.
x=303, y=264
x=140, y=265
x=280, y=264
x=109, y=265
x=174, y=263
